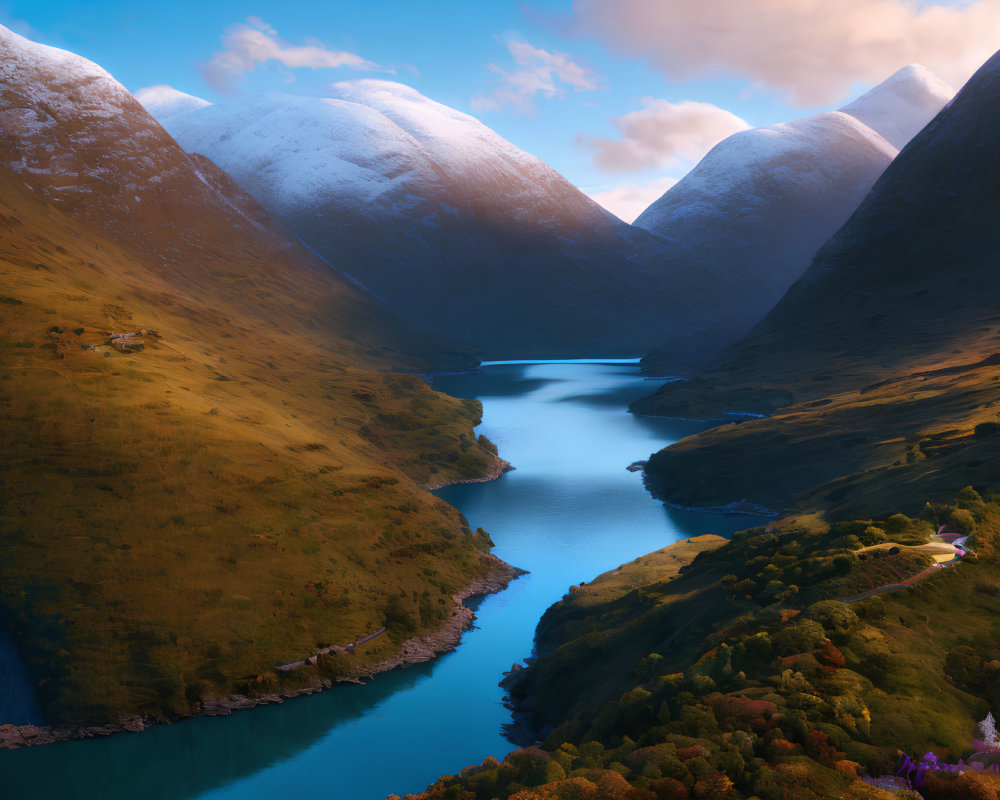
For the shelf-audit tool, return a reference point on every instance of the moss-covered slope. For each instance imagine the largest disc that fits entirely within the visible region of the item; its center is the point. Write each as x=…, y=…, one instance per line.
x=747, y=675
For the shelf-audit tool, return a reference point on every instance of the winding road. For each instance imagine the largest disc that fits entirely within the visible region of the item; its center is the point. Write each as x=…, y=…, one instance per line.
x=957, y=550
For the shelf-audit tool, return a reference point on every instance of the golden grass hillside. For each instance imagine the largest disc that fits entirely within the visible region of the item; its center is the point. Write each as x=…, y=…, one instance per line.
x=873, y=451
x=177, y=521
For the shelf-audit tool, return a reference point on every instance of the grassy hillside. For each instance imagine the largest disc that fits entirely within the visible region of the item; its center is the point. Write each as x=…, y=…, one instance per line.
x=886, y=447
x=746, y=675
x=242, y=491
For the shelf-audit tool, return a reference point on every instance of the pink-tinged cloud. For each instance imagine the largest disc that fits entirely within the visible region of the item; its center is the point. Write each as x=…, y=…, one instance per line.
x=663, y=134
x=540, y=73
x=628, y=202
x=246, y=46
x=813, y=51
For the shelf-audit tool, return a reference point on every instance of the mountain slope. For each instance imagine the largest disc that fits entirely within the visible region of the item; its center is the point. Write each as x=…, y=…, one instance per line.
x=886, y=346
x=243, y=489
x=757, y=208
x=751, y=669
x=454, y=227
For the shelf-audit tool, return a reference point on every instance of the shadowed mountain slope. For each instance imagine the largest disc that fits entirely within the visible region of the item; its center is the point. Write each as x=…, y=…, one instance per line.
x=886, y=345
x=453, y=226
x=756, y=209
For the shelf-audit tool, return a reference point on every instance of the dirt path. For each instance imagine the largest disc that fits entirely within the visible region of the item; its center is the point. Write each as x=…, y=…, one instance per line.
x=342, y=648
x=935, y=549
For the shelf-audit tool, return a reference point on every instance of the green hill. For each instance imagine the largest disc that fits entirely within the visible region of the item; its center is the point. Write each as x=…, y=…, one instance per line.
x=745, y=674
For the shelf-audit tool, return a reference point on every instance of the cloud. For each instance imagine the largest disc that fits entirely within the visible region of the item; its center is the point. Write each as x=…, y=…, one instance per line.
x=628, y=202
x=541, y=73
x=259, y=24
x=813, y=51
x=663, y=134
x=246, y=46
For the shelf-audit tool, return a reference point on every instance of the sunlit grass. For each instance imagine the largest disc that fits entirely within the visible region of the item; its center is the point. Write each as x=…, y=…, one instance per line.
x=245, y=490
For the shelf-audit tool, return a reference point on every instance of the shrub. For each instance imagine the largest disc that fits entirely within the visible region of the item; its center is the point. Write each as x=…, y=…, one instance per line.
x=872, y=535
x=836, y=617
x=799, y=637
x=984, y=429
x=961, y=521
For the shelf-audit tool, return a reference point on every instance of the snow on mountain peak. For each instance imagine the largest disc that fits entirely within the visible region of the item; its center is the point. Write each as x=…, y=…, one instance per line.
x=361, y=143
x=80, y=140
x=758, y=206
x=446, y=134
x=164, y=101
x=435, y=213
x=23, y=61
x=902, y=105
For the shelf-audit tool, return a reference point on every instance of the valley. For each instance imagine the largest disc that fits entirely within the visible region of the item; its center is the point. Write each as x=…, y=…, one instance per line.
x=556, y=515
x=350, y=448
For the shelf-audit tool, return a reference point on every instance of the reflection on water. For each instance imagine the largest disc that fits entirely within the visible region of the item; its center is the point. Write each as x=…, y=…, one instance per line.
x=568, y=512
x=17, y=698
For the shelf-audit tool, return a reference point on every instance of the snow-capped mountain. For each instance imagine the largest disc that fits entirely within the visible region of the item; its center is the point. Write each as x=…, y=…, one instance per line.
x=167, y=100
x=880, y=363
x=902, y=105
x=916, y=264
x=81, y=142
x=250, y=379
x=452, y=225
x=756, y=209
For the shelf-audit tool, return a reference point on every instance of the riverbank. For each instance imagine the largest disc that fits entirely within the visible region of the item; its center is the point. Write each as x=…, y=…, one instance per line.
x=499, y=468
x=445, y=639
x=671, y=675
x=413, y=651
x=561, y=515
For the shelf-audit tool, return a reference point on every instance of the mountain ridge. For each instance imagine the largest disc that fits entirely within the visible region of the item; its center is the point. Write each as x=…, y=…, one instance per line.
x=878, y=365
x=758, y=207
x=409, y=196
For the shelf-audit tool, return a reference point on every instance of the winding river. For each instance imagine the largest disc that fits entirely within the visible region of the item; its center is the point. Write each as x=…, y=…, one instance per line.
x=568, y=512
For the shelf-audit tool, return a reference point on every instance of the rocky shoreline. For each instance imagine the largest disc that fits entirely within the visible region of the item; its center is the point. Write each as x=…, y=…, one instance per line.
x=423, y=648
x=413, y=651
x=743, y=506
x=498, y=469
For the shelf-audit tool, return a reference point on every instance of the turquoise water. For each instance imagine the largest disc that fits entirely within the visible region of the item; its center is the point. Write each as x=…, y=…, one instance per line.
x=17, y=702
x=567, y=513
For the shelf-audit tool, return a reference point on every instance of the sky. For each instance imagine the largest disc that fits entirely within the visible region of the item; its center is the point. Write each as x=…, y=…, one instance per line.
x=622, y=97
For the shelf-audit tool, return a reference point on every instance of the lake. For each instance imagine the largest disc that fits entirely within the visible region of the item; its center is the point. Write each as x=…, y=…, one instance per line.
x=568, y=512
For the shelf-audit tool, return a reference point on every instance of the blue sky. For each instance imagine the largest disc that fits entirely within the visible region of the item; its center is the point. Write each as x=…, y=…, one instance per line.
x=556, y=77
